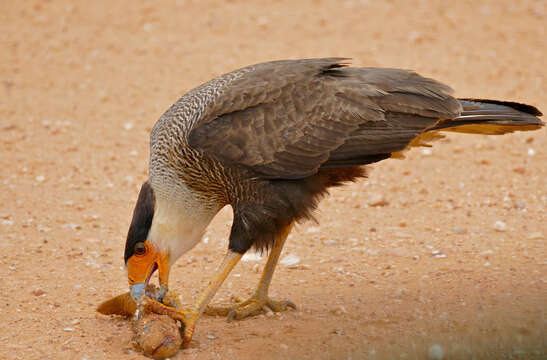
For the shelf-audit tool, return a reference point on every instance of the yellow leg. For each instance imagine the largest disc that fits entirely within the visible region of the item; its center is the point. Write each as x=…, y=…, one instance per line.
x=190, y=316
x=259, y=301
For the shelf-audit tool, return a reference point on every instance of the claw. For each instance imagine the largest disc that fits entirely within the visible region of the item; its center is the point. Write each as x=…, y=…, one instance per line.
x=155, y=306
x=284, y=305
x=187, y=318
x=255, y=305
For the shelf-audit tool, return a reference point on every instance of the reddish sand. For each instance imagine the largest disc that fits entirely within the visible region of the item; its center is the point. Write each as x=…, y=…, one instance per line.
x=81, y=85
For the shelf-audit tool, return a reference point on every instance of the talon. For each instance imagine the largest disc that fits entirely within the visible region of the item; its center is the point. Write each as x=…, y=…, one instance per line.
x=231, y=316
x=279, y=306
x=255, y=305
x=188, y=318
x=291, y=304
x=162, y=293
x=171, y=299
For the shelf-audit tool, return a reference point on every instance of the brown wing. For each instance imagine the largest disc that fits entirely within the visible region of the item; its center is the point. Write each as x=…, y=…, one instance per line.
x=287, y=119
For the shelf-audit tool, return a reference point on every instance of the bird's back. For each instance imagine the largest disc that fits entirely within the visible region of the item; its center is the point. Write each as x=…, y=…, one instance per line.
x=288, y=119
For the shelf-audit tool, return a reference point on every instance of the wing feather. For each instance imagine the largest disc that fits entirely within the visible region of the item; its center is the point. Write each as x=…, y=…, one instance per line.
x=288, y=119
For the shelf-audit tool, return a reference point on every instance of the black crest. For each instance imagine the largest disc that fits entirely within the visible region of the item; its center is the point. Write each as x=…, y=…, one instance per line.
x=142, y=219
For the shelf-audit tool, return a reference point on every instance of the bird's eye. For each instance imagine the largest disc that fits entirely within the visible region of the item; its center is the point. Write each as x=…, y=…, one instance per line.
x=140, y=248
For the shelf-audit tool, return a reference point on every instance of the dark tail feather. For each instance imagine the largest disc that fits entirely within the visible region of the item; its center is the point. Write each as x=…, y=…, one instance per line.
x=492, y=117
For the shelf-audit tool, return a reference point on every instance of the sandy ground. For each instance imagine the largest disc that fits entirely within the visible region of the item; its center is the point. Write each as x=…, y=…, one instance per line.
x=81, y=85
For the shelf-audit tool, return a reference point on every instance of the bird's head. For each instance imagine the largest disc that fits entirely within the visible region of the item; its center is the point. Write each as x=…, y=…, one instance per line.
x=142, y=256
x=162, y=229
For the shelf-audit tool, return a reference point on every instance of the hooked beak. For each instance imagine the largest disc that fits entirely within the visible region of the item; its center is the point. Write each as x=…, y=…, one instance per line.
x=138, y=290
x=140, y=270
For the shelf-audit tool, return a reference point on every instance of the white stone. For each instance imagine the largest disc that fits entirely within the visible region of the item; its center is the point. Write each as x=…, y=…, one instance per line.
x=251, y=256
x=313, y=229
x=500, y=226
x=290, y=260
x=435, y=352
x=535, y=235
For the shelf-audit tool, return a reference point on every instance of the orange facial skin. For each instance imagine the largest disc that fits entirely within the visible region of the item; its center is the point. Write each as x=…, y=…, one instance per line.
x=141, y=266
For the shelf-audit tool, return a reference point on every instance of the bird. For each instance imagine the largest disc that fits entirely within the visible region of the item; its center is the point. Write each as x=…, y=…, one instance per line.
x=270, y=140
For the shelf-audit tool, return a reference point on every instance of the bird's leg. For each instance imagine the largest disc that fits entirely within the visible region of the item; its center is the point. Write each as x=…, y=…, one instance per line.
x=259, y=301
x=190, y=316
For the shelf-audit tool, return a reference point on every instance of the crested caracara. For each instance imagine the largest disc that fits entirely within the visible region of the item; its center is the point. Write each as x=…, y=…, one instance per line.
x=269, y=140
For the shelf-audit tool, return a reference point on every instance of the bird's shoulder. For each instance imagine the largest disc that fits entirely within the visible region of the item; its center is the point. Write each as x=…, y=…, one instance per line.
x=237, y=90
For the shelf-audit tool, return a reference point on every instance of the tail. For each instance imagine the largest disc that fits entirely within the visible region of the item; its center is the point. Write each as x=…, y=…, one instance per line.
x=492, y=117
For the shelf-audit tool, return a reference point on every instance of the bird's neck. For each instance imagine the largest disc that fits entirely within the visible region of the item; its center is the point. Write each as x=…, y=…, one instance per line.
x=178, y=225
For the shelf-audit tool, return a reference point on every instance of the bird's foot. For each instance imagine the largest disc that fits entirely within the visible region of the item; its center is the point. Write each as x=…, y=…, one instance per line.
x=256, y=304
x=172, y=299
x=188, y=318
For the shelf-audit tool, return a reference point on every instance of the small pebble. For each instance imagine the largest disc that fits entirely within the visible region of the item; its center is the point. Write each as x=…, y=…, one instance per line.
x=339, y=310
x=437, y=254
x=38, y=292
x=313, y=229
x=211, y=336
x=500, y=226
x=519, y=170
x=68, y=329
x=459, y=231
x=290, y=260
x=519, y=205
x=535, y=235
x=378, y=200
x=402, y=235
x=250, y=256
x=486, y=253
x=415, y=37
x=435, y=352
x=75, y=226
